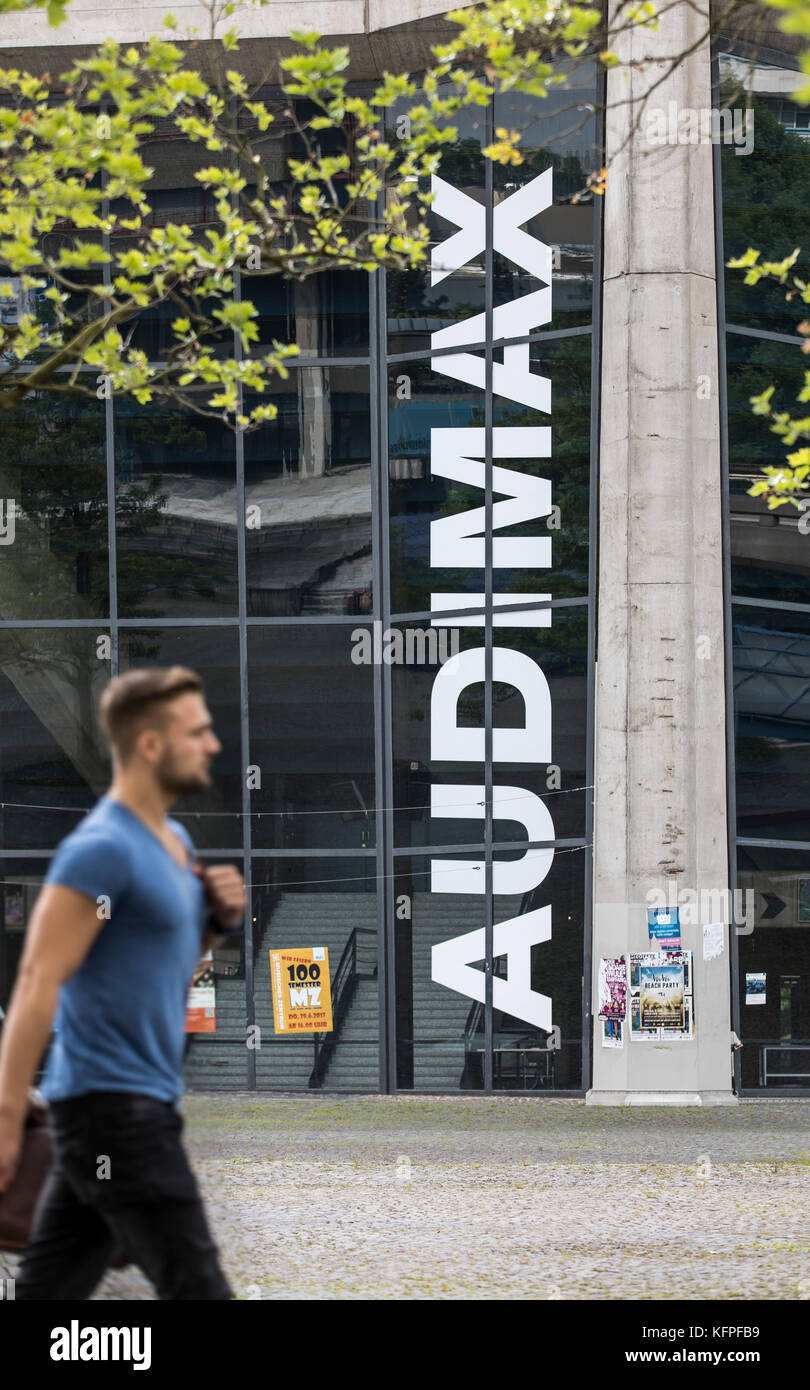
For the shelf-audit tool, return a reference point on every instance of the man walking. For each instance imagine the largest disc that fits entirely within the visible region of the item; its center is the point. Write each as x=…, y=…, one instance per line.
x=122, y=919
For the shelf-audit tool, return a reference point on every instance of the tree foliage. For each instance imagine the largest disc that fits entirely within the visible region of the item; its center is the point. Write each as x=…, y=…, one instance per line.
x=84, y=256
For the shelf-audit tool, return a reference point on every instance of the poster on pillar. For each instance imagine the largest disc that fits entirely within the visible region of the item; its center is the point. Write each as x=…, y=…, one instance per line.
x=661, y=1007
x=612, y=1000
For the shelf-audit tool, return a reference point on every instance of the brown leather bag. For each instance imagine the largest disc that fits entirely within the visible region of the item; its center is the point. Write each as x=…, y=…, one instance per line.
x=18, y=1201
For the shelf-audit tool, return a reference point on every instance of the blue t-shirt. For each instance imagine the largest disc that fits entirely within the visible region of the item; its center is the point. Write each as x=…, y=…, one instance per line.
x=120, y=1024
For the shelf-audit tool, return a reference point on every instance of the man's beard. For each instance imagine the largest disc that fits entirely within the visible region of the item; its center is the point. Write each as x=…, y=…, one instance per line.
x=177, y=784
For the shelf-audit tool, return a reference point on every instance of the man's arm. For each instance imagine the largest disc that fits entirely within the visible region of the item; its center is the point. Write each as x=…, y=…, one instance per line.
x=63, y=926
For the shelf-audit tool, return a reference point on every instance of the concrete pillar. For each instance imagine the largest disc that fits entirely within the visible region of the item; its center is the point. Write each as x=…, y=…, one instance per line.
x=660, y=794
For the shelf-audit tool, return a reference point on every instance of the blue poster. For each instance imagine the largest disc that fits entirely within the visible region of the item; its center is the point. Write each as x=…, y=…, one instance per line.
x=664, y=926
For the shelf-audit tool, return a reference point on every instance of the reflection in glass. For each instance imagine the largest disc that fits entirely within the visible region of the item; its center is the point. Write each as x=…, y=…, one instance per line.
x=419, y=497
x=308, y=491
x=213, y=817
x=53, y=474
x=560, y=652
x=217, y=1061
x=766, y=195
x=312, y=737
x=559, y=132
x=417, y=308
x=20, y=882
x=770, y=558
x=326, y=315
x=330, y=903
x=437, y=1047
x=772, y=721
x=175, y=476
x=175, y=195
x=51, y=752
x=774, y=964
x=526, y=1056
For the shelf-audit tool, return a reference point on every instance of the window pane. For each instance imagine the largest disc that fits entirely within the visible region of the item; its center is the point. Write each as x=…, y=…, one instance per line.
x=53, y=466
x=20, y=882
x=772, y=721
x=217, y=1060
x=438, y=1048
x=774, y=955
x=329, y=903
x=175, y=513
x=311, y=737
x=770, y=558
x=558, y=132
x=54, y=762
x=325, y=315
x=766, y=196
x=308, y=489
x=526, y=1056
x=424, y=721
x=213, y=817
x=417, y=308
x=421, y=401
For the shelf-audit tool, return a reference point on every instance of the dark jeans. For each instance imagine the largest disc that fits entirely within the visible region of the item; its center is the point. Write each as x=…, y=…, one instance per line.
x=120, y=1181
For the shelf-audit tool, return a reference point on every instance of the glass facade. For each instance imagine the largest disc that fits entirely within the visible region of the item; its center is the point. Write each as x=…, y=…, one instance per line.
x=765, y=196
x=405, y=769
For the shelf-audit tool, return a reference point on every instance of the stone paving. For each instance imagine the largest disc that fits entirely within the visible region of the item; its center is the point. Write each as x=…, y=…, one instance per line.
x=416, y=1197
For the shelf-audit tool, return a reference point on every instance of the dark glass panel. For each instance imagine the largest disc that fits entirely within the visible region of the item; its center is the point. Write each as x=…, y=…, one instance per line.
x=420, y=723
x=312, y=737
x=175, y=512
x=175, y=196
x=417, y=308
x=420, y=400
x=766, y=197
x=213, y=817
x=328, y=903
x=53, y=474
x=527, y=1056
x=557, y=132
x=308, y=492
x=53, y=760
x=20, y=883
x=418, y=653
x=437, y=1045
x=772, y=721
x=325, y=315
x=217, y=1061
x=770, y=558
x=774, y=965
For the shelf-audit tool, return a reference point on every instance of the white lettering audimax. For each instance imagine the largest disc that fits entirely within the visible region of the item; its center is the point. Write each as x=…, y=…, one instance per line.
x=457, y=541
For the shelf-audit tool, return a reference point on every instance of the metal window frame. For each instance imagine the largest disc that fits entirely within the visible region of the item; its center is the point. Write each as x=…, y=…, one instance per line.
x=730, y=599
x=386, y=855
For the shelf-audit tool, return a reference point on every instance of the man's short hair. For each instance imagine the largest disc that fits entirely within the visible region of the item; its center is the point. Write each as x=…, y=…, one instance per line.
x=138, y=700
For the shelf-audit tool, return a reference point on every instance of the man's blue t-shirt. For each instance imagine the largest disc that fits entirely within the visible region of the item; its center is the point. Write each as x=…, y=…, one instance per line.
x=120, y=1025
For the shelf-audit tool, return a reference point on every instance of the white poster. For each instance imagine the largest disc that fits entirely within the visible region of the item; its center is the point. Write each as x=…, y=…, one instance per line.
x=713, y=937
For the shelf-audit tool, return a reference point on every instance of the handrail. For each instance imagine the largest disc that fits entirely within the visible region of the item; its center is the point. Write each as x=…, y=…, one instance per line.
x=344, y=985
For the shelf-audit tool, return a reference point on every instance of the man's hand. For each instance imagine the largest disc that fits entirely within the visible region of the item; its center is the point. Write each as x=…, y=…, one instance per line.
x=225, y=891
x=11, y=1127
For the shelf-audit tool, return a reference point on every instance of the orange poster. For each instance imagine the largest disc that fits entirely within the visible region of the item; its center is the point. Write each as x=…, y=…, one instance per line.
x=302, y=999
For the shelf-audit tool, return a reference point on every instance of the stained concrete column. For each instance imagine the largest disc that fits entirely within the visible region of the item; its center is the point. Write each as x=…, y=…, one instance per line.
x=660, y=794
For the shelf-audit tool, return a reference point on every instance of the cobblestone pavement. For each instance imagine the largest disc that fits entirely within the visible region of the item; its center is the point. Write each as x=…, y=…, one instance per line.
x=362, y=1197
